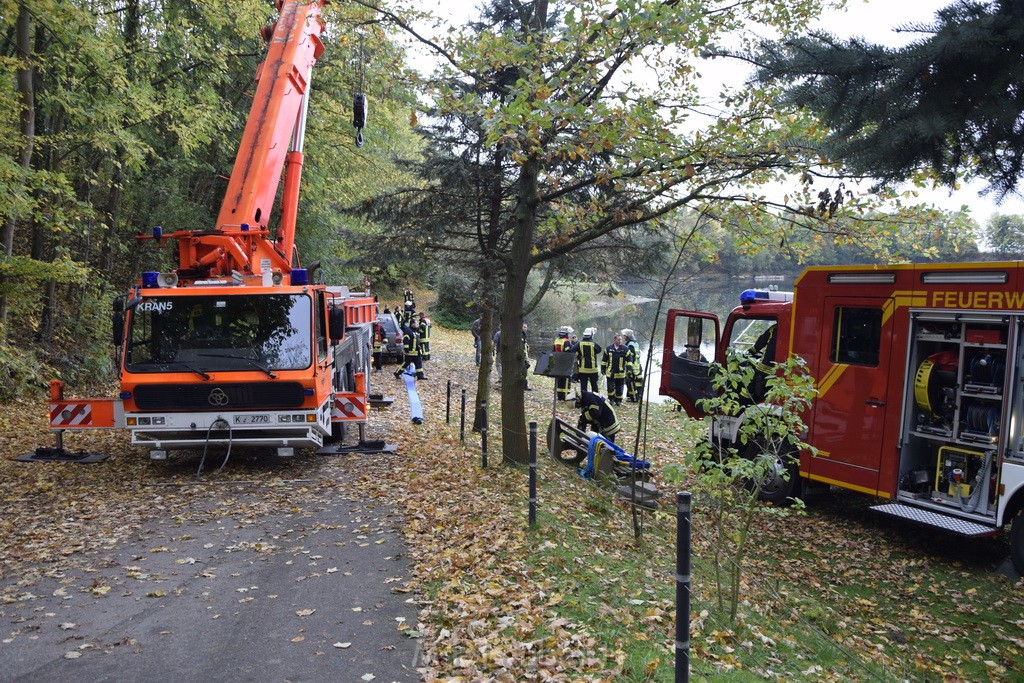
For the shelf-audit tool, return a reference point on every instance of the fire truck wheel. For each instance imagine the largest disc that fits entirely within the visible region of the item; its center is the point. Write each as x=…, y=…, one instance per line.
x=1017, y=542
x=782, y=482
x=337, y=433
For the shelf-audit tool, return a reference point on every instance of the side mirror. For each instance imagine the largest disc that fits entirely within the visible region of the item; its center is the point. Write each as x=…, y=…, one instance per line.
x=336, y=324
x=694, y=332
x=117, y=322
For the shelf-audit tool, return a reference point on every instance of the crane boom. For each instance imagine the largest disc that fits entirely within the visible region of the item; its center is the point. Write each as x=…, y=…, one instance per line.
x=271, y=145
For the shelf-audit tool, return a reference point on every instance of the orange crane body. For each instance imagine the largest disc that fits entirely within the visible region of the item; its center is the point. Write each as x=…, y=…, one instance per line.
x=237, y=346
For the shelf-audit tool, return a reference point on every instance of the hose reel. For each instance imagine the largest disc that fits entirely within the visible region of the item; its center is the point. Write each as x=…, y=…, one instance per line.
x=934, y=383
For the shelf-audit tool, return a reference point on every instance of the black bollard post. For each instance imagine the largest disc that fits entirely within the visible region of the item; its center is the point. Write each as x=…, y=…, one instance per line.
x=448, y=405
x=683, y=587
x=462, y=424
x=483, y=434
x=533, y=474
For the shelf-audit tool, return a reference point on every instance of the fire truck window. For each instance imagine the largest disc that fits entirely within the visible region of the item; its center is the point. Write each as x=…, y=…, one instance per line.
x=694, y=338
x=752, y=336
x=232, y=334
x=321, y=327
x=856, y=336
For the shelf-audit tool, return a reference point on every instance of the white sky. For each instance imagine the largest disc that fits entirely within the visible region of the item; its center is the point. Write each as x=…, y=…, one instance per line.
x=875, y=20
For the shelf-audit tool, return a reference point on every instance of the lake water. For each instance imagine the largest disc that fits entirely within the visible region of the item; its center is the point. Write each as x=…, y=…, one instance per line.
x=639, y=312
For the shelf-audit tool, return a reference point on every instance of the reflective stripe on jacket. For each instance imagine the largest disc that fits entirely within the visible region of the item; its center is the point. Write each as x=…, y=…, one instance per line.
x=586, y=356
x=614, y=361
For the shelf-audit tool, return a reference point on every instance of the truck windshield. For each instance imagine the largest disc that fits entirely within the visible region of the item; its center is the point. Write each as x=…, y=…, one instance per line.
x=751, y=336
x=204, y=333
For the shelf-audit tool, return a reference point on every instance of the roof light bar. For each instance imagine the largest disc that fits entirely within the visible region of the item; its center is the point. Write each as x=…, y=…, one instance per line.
x=749, y=296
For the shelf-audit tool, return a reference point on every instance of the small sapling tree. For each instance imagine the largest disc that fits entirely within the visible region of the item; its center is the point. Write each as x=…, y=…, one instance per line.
x=756, y=472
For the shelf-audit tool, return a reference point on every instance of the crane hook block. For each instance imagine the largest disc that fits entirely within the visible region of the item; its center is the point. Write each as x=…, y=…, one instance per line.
x=359, y=111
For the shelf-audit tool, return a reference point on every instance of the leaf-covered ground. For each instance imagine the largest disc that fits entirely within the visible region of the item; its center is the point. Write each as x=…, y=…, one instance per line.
x=838, y=594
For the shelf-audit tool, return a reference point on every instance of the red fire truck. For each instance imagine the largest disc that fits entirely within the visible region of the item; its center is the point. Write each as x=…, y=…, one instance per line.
x=239, y=345
x=919, y=373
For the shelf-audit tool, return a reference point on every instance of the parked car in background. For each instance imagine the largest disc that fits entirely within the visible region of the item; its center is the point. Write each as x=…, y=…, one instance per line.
x=392, y=336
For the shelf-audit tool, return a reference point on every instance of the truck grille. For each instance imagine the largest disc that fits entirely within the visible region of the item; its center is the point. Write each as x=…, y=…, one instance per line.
x=241, y=396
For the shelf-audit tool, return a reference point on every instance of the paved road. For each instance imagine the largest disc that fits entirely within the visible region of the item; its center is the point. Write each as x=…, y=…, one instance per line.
x=313, y=591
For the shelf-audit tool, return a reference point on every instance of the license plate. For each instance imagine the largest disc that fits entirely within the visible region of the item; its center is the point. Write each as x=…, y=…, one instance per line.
x=252, y=419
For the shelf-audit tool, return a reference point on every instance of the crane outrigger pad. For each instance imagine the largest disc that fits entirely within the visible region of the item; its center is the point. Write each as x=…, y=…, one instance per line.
x=381, y=401
x=367, y=447
x=61, y=455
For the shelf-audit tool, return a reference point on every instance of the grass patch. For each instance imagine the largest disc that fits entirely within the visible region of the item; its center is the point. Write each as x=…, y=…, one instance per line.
x=831, y=595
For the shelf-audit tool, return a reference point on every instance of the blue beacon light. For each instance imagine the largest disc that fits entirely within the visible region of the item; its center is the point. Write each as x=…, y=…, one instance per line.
x=750, y=295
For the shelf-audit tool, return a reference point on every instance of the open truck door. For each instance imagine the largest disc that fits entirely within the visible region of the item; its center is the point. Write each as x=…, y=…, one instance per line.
x=691, y=342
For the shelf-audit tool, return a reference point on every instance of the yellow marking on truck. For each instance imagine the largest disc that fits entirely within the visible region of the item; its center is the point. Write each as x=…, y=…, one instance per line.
x=847, y=485
x=907, y=299
x=830, y=378
x=979, y=299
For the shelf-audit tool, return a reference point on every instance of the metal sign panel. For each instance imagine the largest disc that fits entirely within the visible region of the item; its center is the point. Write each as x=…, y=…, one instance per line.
x=555, y=364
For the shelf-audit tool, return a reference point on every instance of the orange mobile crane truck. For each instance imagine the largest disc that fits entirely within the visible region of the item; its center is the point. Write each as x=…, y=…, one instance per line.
x=238, y=346
x=919, y=373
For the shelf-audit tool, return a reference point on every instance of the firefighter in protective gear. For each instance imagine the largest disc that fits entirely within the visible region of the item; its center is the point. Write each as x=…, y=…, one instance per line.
x=242, y=328
x=634, y=375
x=596, y=413
x=587, y=351
x=378, y=346
x=408, y=312
x=761, y=355
x=613, y=364
x=563, y=385
x=410, y=347
x=424, y=330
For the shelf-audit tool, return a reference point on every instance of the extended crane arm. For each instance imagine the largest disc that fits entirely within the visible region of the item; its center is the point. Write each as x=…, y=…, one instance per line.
x=271, y=141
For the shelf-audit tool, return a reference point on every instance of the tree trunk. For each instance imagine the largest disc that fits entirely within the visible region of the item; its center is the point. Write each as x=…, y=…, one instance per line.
x=28, y=133
x=488, y=232
x=513, y=356
x=46, y=317
x=483, y=377
x=132, y=23
x=113, y=216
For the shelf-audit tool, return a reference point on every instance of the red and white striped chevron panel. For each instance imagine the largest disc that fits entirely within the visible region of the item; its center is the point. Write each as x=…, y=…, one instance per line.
x=349, y=407
x=89, y=413
x=70, y=415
